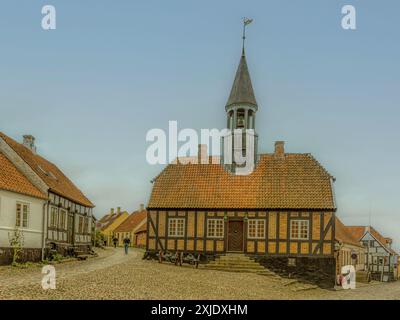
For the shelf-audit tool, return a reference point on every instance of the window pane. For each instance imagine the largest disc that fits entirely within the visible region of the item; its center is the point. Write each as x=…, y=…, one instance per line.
x=18, y=216
x=260, y=228
x=25, y=216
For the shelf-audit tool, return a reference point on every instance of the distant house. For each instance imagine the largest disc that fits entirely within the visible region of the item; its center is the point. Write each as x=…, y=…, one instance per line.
x=21, y=207
x=110, y=222
x=141, y=234
x=381, y=261
x=133, y=228
x=66, y=217
x=348, y=249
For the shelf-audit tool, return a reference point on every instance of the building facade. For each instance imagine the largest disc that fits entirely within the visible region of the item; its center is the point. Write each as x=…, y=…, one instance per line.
x=128, y=228
x=281, y=212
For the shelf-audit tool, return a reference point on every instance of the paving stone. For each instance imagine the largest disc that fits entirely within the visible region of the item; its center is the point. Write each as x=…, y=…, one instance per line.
x=114, y=275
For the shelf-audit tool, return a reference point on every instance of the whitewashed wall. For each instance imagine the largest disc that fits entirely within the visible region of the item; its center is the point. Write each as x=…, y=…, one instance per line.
x=34, y=232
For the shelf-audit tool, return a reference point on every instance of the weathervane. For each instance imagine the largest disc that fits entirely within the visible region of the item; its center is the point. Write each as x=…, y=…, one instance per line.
x=246, y=21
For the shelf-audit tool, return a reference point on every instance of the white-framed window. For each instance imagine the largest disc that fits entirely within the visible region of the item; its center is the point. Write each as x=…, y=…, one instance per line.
x=22, y=213
x=215, y=228
x=176, y=227
x=53, y=217
x=63, y=219
x=299, y=229
x=256, y=229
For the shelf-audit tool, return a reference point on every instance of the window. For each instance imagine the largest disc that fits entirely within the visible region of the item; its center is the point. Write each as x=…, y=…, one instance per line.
x=299, y=229
x=63, y=219
x=215, y=228
x=80, y=226
x=372, y=243
x=176, y=227
x=256, y=229
x=85, y=225
x=53, y=217
x=22, y=215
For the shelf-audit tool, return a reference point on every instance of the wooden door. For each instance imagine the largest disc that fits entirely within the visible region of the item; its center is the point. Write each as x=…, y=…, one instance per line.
x=235, y=236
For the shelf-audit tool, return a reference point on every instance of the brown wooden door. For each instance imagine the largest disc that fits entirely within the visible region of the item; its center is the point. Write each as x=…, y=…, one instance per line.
x=235, y=236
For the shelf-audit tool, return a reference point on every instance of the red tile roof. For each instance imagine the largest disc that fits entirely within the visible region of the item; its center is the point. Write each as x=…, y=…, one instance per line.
x=132, y=222
x=297, y=181
x=49, y=173
x=343, y=236
x=13, y=180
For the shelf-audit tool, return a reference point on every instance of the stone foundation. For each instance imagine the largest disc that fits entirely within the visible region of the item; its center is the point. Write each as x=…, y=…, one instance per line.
x=28, y=254
x=67, y=249
x=316, y=270
x=377, y=276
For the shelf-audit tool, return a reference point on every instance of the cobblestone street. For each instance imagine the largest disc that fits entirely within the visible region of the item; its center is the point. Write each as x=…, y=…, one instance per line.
x=113, y=275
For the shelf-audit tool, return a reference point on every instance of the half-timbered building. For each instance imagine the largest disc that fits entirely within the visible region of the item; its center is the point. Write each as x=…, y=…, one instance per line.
x=381, y=259
x=282, y=213
x=67, y=213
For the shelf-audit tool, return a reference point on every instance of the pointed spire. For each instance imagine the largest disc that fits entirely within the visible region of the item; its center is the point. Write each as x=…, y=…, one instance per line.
x=242, y=89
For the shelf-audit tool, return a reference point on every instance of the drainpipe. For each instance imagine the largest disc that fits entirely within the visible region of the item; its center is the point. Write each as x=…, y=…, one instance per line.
x=44, y=227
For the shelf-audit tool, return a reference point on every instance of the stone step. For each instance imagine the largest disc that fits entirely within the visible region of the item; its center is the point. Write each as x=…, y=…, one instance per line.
x=236, y=257
x=239, y=265
x=228, y=267
x=234, y=262
x=244, y=270
x=227, y=262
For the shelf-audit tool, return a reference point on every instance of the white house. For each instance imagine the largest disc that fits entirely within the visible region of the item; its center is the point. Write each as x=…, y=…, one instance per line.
x=65, y=216
x=22, y=207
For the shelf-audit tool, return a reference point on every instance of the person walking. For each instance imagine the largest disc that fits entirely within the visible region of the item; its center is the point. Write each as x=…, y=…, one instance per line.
x=127, y=241
x=115, y=241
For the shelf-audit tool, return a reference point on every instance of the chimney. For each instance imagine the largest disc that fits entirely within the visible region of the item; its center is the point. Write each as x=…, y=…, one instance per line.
x=112, y=211
x=141, y=207
x=202, y=156
x=29, y=142
x=118, y=210
x=280, y=150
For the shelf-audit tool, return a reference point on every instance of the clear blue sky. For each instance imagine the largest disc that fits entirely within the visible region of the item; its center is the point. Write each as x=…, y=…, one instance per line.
x=91, y=89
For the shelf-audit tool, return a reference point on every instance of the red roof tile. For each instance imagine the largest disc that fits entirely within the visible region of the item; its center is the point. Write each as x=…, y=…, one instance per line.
x=13, y=180
x=49, y=173
x=297, y=181
x=342, y=235
x=132, y=222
